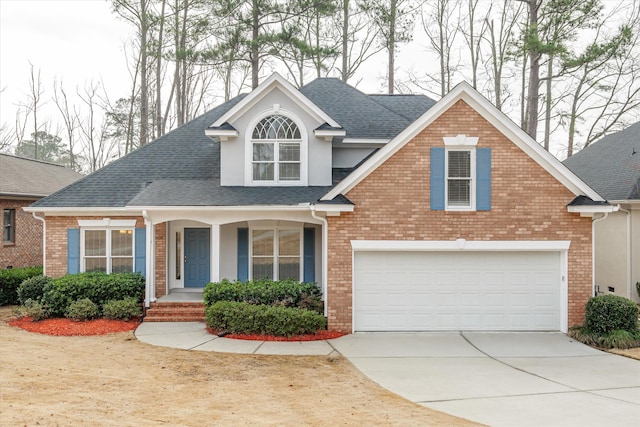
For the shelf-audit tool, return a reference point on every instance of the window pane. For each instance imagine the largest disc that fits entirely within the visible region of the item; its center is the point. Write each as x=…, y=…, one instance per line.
x=95, y=264
x=289, y=268
x=289, y=171
x=95, y=243
x=289, y=152
x=9, y=229
x=289, y=242
x=262, y=268
x=121, y=243
x=262, y=242
x=459, y=194
x=263, y=171
x=121, y=265
x=459, y=164
x=276, y=127
x=262, y=152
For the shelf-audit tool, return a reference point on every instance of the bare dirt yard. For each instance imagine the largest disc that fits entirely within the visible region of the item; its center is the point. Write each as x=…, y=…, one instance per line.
x=115, y=380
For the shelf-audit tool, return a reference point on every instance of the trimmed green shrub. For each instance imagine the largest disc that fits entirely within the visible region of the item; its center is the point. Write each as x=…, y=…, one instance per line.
x=245, y=318
x=123, y=309
x=11, y=279
x=32, y=309
x=608, y=313
x=33, y=288
x=638, y=288
x=284, y=293
x=83, y=309
x=98, y=287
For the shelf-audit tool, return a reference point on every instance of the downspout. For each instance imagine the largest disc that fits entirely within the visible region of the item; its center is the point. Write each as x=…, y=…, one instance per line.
x=325, y=252
x=629, y=284
x=593, y=251
x=44, y=242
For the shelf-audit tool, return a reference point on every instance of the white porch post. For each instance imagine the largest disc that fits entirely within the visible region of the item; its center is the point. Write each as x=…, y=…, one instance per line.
x=150, y=292
x=215, y=253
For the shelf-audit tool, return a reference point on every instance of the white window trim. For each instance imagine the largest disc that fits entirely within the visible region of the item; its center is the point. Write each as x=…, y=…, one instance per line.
x=248, y=158
x=108, y=243
x=472, y=173
x=276, y=230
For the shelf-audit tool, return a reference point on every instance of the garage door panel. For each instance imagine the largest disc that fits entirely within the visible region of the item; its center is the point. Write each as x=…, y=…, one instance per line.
x=413, y=291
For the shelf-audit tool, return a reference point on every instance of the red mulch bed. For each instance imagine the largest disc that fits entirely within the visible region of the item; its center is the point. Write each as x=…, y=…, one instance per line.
x=67, y=327
x=320, y=335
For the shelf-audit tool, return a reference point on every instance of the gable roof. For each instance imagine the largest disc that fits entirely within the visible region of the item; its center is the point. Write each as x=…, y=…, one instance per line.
x=274, y=81
x=464, y=91
x=186, y=163
x=22, y=177
x=611, y=165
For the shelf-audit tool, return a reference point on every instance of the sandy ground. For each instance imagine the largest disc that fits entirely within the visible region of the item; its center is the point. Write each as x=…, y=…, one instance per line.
x=117, y=380
x=633, y=353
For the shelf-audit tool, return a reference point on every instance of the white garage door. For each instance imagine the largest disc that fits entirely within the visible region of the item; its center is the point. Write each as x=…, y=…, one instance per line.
x=429, y=291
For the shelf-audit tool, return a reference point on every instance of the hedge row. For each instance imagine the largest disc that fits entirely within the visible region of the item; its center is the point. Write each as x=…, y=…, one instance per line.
x=284, y=293
x=11, y=279
x=245, y=318
x=608, y=313
x=56, y=295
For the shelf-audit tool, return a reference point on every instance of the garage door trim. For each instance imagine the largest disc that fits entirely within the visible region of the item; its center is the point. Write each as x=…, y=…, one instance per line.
x=561, y=246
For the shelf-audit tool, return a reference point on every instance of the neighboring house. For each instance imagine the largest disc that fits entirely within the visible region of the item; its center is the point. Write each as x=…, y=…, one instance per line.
x=23, y=181
x=410, y=215
x=611, y=166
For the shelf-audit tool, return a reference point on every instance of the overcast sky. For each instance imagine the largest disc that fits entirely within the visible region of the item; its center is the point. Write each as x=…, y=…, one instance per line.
x=75, y=41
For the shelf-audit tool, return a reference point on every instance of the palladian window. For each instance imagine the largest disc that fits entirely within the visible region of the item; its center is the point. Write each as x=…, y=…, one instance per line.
x=276, y=142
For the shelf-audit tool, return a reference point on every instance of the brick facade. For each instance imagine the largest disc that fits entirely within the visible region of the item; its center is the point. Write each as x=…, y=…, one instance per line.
x=27, y=249
x=392, y=203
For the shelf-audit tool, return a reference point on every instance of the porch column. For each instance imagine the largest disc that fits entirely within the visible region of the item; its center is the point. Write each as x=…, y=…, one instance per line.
x=150, y=291
x=215, y=253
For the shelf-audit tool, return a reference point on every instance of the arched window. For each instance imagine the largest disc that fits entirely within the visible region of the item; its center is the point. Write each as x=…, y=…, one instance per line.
x=276, y=143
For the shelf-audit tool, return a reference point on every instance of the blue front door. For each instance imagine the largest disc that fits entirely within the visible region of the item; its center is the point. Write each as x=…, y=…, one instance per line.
x=197, y=257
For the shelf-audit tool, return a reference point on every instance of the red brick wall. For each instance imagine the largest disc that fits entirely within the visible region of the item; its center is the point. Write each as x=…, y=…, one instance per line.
x=57, y=240
x=27, y=249
x=161, y=260
x=392, y=203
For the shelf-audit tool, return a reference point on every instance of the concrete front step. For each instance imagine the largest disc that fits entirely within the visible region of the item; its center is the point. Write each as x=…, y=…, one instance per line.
x=175, y=312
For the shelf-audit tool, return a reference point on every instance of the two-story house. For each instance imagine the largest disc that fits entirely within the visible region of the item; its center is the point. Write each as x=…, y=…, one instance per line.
x=410, y=214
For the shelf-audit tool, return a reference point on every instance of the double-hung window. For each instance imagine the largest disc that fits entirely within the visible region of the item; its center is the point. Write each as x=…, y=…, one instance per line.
x=276, y=254
x=107, y=250
x=460, y=170
x=276, y=150
x=9, y=226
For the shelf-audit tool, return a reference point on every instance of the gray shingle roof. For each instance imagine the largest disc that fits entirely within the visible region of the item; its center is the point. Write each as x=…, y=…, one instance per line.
x=182, y=168
x=33, y=178
x=610, y=166
x=364, y=116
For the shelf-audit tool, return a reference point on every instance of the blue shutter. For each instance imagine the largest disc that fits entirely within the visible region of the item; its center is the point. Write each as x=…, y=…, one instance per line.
x=437, y=179
x=140, y=254
x=309, y=255
x=243, y=254
x=73, y=250
x=483, y=179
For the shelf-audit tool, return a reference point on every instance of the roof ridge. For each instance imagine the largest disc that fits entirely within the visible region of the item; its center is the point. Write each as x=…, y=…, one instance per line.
x=37, y=161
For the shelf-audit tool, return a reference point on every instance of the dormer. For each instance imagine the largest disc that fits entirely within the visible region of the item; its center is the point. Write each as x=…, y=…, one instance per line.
x=275, y=136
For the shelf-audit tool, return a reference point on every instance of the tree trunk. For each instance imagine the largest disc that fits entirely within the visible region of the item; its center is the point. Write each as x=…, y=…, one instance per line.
x=392, y=43
x=534, y=75
x=144, y=88
x=159, y=121
x=547, y=111
x=345, y=40
x=254, y=55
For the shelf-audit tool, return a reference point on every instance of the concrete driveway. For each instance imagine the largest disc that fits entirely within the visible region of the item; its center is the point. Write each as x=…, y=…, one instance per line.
x=502, y=379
